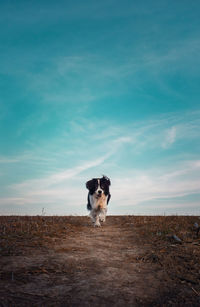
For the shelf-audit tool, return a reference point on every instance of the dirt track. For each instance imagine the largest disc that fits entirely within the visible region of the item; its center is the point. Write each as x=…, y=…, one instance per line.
x=67, y=262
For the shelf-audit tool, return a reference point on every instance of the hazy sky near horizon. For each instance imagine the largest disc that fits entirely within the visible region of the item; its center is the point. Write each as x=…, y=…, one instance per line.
x=100, y=87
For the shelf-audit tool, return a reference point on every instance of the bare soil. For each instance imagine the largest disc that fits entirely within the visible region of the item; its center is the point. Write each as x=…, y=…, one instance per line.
x=129, y=261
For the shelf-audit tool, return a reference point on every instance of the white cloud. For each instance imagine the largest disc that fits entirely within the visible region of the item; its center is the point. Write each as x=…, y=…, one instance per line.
x=170, y=137
x=59, y=177
x=59, y=186
x=66, y=190
x=183, y=179
x=5, y=160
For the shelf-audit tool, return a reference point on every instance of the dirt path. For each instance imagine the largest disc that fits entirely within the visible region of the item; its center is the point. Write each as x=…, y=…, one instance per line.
x=111, y=276
x=85, y=266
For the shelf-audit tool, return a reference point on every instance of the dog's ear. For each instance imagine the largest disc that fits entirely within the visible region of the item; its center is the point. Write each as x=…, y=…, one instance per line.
x=107, y=180
x=90, y=184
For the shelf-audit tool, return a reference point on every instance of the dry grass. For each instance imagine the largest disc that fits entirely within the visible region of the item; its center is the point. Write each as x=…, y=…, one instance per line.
x=21, y=232
x=180, y=260
x=62, y=251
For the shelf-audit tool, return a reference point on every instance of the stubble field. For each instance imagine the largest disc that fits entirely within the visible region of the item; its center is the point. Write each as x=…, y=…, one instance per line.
x=129, y=261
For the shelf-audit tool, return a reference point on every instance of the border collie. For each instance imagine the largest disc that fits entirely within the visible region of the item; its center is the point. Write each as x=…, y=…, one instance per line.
x=98, y=198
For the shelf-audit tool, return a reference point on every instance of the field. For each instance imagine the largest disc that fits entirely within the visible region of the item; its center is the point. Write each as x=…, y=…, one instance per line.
x=129, y=261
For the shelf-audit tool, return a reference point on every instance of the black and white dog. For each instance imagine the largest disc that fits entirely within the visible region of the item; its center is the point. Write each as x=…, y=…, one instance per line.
x=98, y=198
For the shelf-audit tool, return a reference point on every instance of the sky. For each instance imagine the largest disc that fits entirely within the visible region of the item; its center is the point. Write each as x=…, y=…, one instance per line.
x=99, y=87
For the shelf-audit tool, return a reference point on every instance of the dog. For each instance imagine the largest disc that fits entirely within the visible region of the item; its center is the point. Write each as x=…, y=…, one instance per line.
x=98, y=199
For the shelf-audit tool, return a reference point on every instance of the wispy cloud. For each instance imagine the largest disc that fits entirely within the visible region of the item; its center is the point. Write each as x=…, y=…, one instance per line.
x=67, y=188
x=145, y=186
x=58, y=177
x=4, y=160
x=124, y=152
x=170, y=137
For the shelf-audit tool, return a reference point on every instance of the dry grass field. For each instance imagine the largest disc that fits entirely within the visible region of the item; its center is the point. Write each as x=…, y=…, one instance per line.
x=129, y=261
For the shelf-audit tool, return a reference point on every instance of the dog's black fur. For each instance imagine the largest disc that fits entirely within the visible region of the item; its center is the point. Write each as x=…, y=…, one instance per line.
x=92, y=185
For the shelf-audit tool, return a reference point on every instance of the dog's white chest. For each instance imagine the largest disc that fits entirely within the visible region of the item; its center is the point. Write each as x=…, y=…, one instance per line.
x=98, y=202
x=102, y=202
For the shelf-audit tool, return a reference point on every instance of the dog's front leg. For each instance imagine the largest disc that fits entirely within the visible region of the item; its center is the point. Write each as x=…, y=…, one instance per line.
x=95, y=218
x=97, y=223
x=103, y=215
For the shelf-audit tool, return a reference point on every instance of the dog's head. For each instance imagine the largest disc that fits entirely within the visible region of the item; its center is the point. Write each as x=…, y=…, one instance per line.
x=98, y=186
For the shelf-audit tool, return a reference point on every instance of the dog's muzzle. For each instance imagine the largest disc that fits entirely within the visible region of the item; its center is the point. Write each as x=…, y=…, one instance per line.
x=99, y=194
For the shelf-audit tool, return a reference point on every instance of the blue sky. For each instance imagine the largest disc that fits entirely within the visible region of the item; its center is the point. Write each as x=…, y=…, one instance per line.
x=100, y=87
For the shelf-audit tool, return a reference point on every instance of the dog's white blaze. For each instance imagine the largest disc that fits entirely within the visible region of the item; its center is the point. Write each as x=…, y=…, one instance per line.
x=99, y=187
